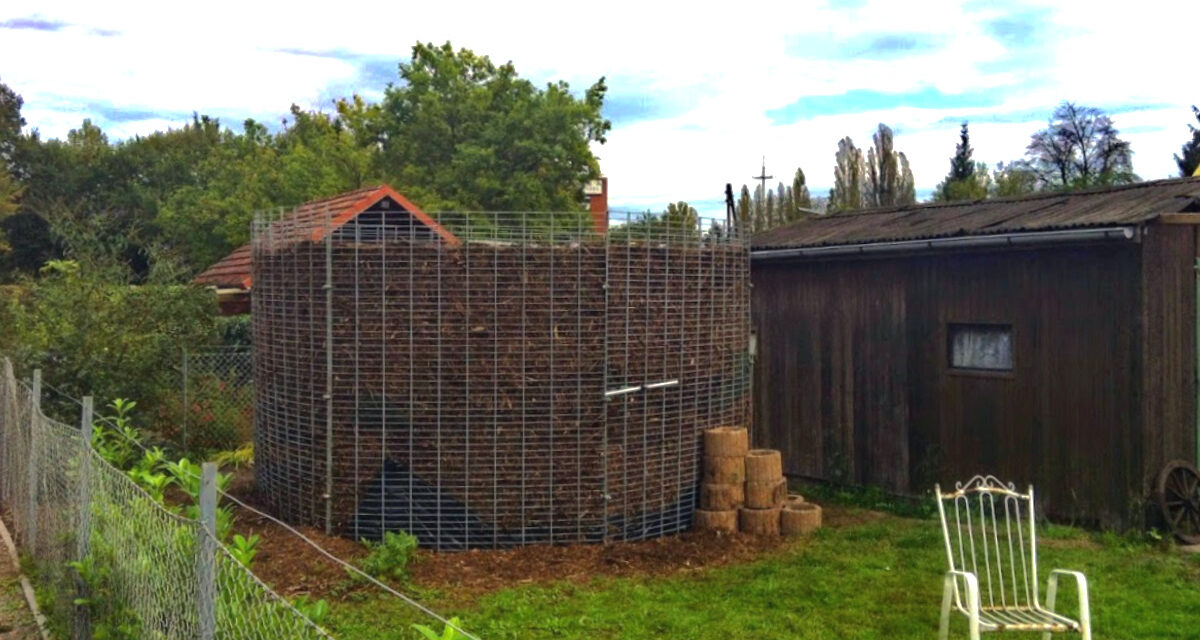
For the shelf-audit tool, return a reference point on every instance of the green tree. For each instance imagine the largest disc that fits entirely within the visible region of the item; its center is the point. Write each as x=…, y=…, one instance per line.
x=11, y=123
x=1188, y=158
x=1080, y=148
x=848, y=178
x=1014, y=179
x=460, y=132
x=801, y=199
x=889, y=180
x=94, y=333
x=967, y=179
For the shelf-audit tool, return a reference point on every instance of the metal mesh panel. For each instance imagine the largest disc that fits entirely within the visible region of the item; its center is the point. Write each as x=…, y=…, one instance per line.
x=107, y=555
x=501, y=379
x=217, y=398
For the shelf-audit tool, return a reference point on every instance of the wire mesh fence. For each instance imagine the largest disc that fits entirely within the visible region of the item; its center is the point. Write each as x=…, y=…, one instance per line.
x=487, y=379
x=217, y=398
x=109, y=559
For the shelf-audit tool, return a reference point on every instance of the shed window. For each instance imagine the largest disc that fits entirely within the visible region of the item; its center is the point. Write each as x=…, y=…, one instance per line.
x=986, y=347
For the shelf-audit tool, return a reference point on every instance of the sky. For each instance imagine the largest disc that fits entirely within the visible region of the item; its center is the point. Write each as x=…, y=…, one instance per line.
x=698, y=95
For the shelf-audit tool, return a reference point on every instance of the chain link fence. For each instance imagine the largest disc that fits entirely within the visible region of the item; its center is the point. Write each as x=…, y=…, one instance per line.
x=109, y=560
x=217, y=398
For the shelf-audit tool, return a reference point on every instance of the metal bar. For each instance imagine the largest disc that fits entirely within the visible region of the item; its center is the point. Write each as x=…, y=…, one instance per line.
x=83, y=531
x=34, y=463
x=328, y=374
x=206, y=553
x=186, y=406
x=605, y=490
x=661, y=385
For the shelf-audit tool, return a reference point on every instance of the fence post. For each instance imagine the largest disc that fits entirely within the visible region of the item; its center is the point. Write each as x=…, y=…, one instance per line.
x=83, y=537
x=185, y=400
x=35, y=415
x=206, y=550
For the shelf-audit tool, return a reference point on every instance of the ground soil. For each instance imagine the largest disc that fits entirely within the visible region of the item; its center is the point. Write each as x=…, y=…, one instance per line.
x=16, y=621
x=293, y=567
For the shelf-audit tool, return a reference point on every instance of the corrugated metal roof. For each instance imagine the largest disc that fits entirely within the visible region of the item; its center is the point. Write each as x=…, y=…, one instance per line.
x=1130, y=204
x=310, y=221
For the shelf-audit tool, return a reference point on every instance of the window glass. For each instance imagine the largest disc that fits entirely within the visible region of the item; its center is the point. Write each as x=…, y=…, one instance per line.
x=981, y=346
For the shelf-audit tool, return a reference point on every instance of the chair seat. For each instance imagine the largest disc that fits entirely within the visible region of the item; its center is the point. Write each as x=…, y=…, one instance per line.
x=1024, y=619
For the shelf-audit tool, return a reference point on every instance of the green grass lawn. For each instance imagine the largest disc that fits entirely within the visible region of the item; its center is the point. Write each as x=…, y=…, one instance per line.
x=875, y=576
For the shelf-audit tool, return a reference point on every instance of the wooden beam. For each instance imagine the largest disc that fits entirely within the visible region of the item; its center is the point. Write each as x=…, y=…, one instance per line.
x=1179, y=218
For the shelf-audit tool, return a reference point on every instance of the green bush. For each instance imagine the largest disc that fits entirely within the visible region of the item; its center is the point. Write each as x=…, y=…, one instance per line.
x=94, y=333
x=389, y=558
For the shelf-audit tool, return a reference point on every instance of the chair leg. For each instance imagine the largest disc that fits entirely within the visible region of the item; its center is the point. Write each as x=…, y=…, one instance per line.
x=1051, y=596
x=947, y=594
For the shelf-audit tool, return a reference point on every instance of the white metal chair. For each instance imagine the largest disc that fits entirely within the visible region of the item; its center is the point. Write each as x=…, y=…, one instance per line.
x=991, y=546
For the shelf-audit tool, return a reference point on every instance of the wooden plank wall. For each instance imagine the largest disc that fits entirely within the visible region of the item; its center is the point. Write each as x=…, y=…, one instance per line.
x=1169, y=347
x=853, y=381
x=831, y=374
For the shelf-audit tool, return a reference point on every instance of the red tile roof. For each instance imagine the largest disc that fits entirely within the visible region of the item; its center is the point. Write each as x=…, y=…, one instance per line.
x=308, y=221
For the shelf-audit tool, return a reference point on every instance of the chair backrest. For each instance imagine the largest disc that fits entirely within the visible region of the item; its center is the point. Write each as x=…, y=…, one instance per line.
x=988, y=528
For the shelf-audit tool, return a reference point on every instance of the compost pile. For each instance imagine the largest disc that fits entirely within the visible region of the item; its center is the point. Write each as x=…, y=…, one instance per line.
x=467, y=385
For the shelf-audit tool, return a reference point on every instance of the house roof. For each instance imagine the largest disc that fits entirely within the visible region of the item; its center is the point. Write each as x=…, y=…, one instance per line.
x=1124, y=205
x=311, y=221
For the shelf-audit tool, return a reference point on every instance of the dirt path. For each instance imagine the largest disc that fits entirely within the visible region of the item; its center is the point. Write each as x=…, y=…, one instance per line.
x=16, y=621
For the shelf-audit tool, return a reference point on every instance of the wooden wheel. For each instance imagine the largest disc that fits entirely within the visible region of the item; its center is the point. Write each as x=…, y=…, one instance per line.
x=1178, y=493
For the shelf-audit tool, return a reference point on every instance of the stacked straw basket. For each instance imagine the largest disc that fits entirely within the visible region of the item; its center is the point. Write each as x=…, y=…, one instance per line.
x=799, y=517
x=766, y=491
x=722, y=491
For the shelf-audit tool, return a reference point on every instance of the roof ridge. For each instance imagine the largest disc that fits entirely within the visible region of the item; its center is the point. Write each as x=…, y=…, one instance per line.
x=1040, y=195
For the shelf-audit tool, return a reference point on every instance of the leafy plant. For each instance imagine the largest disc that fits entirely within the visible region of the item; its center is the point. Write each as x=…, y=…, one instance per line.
x=187, y=476
x=243, y=456
x=114, y=437
x=244, y=549
x=109, y=617
x=389, y=557
x=448, y=632
x=315, y=610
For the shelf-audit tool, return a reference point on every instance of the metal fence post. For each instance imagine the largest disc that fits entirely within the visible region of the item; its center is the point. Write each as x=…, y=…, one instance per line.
x=186, y=409
x=83, y=537
x=328, y=376
x=35, y=414
x=206, y=553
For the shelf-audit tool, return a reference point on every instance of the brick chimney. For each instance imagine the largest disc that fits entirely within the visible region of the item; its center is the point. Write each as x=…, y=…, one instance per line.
x=597, y=193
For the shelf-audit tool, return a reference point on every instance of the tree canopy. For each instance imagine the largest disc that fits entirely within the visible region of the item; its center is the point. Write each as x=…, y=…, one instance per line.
x=1188, y=157
x=456, y=131
x=967, y=179
x=1080, y=148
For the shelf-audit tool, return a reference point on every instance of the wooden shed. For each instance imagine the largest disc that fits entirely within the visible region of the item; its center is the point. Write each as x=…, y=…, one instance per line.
x=1049, y=339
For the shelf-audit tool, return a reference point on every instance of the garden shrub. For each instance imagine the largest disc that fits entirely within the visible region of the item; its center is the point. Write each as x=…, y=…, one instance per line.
x=389, y=557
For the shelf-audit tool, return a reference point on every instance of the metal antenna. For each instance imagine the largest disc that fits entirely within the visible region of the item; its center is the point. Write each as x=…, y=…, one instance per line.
x=763, y=177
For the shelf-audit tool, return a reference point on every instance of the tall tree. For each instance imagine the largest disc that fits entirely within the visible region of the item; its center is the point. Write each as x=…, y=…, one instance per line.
x=889, y=180
x=10, y=124
x=801, y=198
x=1080, y=148
x=462, y=132
x=848, y=178
x=967, y=179
x=1189, y=161
x=680, y=216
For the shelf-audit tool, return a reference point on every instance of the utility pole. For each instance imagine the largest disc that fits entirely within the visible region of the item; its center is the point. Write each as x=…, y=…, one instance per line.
x=762, y=177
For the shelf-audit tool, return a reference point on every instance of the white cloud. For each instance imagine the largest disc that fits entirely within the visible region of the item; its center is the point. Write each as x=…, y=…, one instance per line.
x=717, y=71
